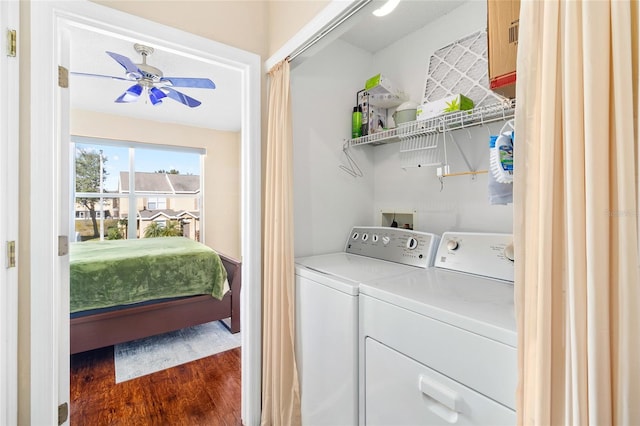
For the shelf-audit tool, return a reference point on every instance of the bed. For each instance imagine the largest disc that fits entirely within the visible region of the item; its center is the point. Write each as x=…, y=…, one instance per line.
x=123, y=290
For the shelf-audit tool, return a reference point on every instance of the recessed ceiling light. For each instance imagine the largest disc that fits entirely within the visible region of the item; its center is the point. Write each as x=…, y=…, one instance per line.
x=387, y=8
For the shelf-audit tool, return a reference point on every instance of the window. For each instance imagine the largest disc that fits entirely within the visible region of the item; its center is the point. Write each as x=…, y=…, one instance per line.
x=121, y=187
x=156, y=203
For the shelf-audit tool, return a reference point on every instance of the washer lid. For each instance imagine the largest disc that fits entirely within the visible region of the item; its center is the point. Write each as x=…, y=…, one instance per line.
x=477, y=304
x=350, y=267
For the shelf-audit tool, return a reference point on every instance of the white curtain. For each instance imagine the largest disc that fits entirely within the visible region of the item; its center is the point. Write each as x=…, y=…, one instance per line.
x=280, y=388
x=576, y=213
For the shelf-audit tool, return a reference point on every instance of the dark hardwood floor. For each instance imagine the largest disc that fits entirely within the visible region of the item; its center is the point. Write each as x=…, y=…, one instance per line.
x=202, y=392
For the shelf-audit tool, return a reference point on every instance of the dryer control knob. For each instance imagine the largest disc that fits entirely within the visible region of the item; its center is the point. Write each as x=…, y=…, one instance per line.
x=452, y=245
x=508, y=252
x=412, y=243
x=385, y=240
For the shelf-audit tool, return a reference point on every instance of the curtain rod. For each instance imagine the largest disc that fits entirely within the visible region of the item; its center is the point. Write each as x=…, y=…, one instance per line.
x=329, y=27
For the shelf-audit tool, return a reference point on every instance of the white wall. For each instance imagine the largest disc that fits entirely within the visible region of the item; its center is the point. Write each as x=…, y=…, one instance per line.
x=463, y=202
x=462, y=205
x=406, y=61
x=327, y=200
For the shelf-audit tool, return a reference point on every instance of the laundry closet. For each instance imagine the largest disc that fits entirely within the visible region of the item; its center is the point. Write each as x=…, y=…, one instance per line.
x=328, y=200
x=403, y=255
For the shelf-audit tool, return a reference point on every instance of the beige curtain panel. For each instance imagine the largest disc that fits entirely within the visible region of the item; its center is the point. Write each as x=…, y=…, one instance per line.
x=576, y=213
x=280, y=389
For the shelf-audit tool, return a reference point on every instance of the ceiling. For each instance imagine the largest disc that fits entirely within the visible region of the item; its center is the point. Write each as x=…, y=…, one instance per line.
x=221, y=107
x=373, y=33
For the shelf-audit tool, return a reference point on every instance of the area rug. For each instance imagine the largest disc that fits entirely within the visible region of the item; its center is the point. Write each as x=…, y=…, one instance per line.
x=145, y=356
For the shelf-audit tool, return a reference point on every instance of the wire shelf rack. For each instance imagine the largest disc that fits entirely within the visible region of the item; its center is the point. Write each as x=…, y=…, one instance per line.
x=423, y=142
x=441, y=124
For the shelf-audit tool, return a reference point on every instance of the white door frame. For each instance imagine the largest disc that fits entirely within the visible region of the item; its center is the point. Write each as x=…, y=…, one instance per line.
x=9, y=107
x=49, y=196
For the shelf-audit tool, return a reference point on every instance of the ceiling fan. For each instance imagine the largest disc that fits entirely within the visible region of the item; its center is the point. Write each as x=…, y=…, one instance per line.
x=150, y=80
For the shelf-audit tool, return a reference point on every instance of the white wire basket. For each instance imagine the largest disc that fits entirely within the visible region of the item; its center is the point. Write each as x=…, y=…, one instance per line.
x=420, y=150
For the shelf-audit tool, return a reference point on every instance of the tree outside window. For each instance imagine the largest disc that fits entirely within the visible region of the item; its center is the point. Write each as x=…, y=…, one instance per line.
x=90, y=176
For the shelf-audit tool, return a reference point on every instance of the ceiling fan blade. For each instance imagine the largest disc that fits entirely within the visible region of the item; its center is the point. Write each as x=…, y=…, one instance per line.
x=156, y=95
x=131, y=95
x=131, y=68
x=200, y=83
x=86, y=74
x=181, y=97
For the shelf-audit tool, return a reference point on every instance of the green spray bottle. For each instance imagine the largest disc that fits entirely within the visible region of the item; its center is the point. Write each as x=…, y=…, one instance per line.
x=356, y=122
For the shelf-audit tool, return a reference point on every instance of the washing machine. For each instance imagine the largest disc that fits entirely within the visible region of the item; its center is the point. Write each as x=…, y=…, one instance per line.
x=326, y=305
x=438, y=345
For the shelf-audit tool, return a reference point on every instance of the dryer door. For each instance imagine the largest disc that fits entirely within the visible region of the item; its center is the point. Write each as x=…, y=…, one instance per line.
x=401, y=391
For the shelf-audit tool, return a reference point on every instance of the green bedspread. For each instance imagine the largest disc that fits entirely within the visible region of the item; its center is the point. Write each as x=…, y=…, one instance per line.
x=118, y=272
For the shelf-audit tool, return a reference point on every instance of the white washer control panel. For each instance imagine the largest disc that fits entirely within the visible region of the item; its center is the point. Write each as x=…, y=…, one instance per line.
x=404, y=246
x=486, y=254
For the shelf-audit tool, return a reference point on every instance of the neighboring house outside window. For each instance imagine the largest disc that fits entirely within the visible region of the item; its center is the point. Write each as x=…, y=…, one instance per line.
x=180, y=207
x=189, y=222
x=86, y=214
x=105, y=207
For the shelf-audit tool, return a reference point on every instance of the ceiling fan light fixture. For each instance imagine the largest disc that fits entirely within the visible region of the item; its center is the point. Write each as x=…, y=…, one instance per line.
x=135, y=90
x=154, y=100
x=156, y=95
x=387, y=8
x=131, y=94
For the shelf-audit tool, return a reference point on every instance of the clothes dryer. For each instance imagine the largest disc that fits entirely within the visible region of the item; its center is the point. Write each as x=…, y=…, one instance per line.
x=449, y=334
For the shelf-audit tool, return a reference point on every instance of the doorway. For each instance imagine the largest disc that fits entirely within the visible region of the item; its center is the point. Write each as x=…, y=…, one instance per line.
x=50, y=24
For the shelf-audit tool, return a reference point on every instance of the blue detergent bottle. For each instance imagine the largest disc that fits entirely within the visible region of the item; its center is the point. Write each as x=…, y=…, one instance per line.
x=501, y=158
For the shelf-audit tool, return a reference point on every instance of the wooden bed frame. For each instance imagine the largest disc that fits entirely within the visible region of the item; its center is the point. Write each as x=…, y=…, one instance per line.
x=110, y=328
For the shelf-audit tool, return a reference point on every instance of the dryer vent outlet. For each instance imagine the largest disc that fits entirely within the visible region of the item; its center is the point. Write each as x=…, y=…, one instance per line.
x=401, y=219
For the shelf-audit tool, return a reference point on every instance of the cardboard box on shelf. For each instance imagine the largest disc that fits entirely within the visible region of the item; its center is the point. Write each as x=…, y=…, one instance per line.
x=443, y=106
x=383, y=93
x=503, y=17
x=380, y=84
x=387, y=100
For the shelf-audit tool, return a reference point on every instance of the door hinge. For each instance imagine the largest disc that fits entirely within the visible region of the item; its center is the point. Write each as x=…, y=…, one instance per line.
x=63, y=245
x=63, y=413
x=63, y=77
x=11, y=254
x=12, y=43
